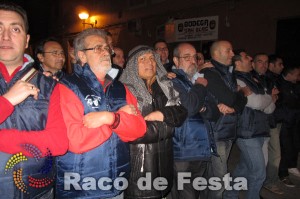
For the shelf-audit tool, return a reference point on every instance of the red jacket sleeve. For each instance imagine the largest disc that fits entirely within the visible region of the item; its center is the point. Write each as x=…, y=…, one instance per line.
x=130, y=127
x=6, y=108
x=53, y=137
x=81, y=138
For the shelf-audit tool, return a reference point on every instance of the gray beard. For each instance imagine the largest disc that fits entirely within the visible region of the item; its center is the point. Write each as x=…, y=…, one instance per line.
x=102, y=69
x=191, y=74
x=106, y=69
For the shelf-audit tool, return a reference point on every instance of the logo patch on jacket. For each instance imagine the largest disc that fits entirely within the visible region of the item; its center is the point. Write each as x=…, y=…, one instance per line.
x=93, y=100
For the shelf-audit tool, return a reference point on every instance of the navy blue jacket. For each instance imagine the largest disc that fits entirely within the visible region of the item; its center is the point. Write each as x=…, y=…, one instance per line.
x=59, y=74
x=222, y=88
x=193, y=140
x=30, y=115
x=288, y=103
x=269, y=80
x=111, y=158
x=252, y=123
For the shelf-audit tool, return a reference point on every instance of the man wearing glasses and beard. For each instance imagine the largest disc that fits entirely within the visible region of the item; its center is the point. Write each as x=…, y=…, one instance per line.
x=101, y=116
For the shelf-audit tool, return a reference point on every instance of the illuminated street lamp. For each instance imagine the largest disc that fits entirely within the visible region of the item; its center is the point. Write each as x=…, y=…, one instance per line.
x=83, y=16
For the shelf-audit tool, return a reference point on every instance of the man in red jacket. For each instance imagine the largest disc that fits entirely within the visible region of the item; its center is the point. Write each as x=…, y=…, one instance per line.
x=31, y=119
x=101, y=116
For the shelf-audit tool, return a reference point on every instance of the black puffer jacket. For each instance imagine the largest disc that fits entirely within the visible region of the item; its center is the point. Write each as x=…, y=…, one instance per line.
x=153, y=153
x=288, y=103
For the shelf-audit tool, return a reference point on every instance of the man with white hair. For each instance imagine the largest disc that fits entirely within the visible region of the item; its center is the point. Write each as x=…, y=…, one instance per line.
x=101, y=116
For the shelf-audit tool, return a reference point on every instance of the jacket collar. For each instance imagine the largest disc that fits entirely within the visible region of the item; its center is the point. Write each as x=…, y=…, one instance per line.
x=221, y=67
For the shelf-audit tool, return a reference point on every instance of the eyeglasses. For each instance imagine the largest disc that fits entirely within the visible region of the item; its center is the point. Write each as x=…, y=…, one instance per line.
x=190, y=58
x=161, y=49
x=99, y=49
x=56, y=53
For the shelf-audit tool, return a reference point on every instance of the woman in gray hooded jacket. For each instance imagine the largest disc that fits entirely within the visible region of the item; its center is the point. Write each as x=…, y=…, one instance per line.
x=152, y=154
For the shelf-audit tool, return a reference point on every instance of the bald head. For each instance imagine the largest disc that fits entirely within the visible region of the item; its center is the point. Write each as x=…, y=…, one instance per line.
x=222, y=52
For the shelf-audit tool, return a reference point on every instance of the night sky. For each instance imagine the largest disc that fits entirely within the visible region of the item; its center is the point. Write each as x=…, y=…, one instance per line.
x=38, y=12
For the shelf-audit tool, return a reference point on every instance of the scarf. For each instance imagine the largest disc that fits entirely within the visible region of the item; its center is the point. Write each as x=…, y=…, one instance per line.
x=136, y=85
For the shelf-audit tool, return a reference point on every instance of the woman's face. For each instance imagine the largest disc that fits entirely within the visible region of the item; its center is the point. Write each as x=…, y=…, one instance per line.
x=147, y=66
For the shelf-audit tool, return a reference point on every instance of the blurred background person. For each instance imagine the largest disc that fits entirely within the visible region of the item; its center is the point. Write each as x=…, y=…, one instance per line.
x=50, y=56
x=288, y=104
x=272, y=179
x=200, y=60
x=118, y=60
x=161, y=47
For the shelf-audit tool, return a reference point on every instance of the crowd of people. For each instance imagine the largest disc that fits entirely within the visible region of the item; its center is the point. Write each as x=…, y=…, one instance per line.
x=146, y=126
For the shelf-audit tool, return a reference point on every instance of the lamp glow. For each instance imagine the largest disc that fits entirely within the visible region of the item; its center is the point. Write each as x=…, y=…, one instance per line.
x=83, y=15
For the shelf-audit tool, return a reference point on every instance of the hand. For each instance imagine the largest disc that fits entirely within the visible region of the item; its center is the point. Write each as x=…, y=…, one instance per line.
x=275, y=91
x=20, y=91
x=274, y=98
x=130, y=109
x=154, y=116
x=225, y=109
x=50, y=74
x=55, y=78
x=246, y=90
x=202, y=81
x=207, y=65
x=97, y=119
x=171, y=75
